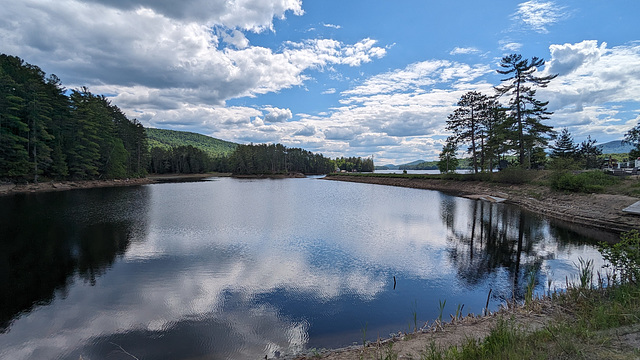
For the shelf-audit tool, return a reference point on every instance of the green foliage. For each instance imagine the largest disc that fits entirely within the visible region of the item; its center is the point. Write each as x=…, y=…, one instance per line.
x=586, y=182
x=563, y=164
x=513, y=175
x=355, y=164
x=590, y=154
x=45, y=133
x=278, y=159
x=441, y=306
x=169, y=139
x=184, y=160
x=624, y=257
x=448, y=161
x=531, y=284
x=633, y=137
x=501, y=343
x=478, y=121
x=466, y=123
x=564, y=147
x=526, y=113
x=585, y=272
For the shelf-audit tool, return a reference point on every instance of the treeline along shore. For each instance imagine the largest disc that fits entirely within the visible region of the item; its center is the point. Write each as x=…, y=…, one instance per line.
x=52, y=135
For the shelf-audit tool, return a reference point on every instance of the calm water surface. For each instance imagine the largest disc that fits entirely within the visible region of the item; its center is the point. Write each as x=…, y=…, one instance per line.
x=240, y=269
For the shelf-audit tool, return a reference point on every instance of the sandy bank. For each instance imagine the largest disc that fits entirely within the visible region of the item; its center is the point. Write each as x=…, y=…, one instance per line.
x=602, y=211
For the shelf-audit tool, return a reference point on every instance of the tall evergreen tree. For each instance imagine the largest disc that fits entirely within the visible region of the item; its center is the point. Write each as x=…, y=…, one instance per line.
x=59, y=127
x=526, y=111
x=44, y=132
x=466, y=123
x=589, y=153
x=494, y=139
x=564, y=147
x=14, y=157
x=448, y=161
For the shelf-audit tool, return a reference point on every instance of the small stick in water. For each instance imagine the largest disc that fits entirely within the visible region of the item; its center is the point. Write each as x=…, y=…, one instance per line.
x=394, y=283
x=486, y=307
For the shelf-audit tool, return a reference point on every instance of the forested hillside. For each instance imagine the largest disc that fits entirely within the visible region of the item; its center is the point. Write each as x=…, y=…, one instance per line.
x=167, y=139
x=45, y=133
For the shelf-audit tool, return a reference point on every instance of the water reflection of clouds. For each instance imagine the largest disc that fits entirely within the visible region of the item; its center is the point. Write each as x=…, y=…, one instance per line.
x=206, y=268
x=142, y=296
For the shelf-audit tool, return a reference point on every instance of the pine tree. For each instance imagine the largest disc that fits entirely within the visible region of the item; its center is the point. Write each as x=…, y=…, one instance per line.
x=467, y=121
x=590, y=153
x=14, y=157
x=564, y=147
x=448, y=161
x=492, y=136
x=526, y=111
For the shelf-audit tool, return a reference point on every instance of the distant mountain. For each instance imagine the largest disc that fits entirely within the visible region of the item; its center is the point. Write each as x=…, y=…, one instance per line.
x=167, y=139
x=615, y=147
x=399, y=167
x=387, y=167
x=413, y=163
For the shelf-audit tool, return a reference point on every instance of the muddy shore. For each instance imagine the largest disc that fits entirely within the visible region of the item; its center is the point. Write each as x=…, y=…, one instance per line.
x=601, y=211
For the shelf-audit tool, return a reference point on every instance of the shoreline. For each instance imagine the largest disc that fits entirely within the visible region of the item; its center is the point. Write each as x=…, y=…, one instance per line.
x=50, y=186
x=596, y=211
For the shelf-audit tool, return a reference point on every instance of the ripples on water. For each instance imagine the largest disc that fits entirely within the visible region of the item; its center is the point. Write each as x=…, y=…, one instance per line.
x=240, y=269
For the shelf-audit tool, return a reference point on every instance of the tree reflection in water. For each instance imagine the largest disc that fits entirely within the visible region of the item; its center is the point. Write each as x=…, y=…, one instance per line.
x=43, y=248
x=488, y=240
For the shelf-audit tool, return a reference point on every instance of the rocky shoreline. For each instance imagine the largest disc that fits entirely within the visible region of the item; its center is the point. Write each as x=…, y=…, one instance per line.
x=600, y=211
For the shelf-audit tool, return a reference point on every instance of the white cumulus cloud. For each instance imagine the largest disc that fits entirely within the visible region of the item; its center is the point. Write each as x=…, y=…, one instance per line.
x=275, y=115
x=597, y=86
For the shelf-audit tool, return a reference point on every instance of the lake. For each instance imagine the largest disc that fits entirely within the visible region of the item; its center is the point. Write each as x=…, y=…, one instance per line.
x=237, y=269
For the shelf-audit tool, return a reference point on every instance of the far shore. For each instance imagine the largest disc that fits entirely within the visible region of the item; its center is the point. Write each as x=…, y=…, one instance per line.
x=53, y=185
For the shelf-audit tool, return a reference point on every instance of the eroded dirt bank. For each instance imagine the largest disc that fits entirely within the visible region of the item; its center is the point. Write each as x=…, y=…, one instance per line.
x=603, y=211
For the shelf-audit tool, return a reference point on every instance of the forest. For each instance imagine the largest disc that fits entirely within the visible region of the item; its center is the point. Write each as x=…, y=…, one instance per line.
x=251, y=159
x=51, y=133
x=168, y=139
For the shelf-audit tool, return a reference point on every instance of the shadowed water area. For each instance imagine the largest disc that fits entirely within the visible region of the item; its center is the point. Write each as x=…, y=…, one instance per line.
x=238, y=269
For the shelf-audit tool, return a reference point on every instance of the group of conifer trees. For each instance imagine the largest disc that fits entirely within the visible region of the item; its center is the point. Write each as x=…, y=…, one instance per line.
x=277, y=159
x=356, y=164
x=49, y=133
x=492, y=130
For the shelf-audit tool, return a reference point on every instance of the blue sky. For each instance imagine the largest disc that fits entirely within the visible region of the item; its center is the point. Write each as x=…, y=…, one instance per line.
x=352, y=78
